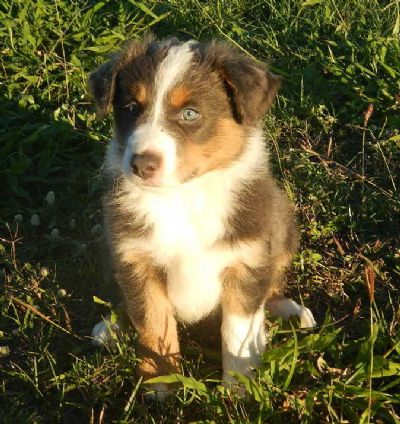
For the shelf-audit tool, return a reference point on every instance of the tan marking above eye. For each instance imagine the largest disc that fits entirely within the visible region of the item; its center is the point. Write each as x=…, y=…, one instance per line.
x=140, y=92
x=179, y=96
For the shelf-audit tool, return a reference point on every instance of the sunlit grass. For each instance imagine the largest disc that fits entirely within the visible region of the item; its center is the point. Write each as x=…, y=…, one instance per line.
x=335, y=147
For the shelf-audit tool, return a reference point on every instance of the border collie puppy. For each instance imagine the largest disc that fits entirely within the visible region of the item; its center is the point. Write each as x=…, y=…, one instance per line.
x=195, y=223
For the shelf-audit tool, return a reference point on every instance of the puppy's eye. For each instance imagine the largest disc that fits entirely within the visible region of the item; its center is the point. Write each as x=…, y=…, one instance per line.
x=134, y=108
x=190, y=114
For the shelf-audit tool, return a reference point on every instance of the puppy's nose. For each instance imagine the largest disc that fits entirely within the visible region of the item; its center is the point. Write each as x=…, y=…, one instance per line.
x=146, y=164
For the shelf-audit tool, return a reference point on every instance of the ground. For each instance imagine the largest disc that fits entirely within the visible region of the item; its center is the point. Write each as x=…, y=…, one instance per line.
x=334, y=140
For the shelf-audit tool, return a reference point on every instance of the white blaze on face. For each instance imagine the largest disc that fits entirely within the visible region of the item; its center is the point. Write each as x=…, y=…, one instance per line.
x=152, y=136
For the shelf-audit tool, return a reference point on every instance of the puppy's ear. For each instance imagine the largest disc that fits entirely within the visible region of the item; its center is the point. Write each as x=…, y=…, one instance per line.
x=102, y=85
x=251, y=87
x=102, y=80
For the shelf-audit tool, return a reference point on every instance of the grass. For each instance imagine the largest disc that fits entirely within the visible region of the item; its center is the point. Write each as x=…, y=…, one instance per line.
x=335, y=146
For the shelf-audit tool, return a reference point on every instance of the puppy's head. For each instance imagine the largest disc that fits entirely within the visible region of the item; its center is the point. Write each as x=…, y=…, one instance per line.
x=180, y=109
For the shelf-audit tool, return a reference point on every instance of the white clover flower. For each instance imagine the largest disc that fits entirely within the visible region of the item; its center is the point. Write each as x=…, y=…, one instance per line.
x=18, y=218
x=72, y=223
x=35, y=221
x=50, y=198
x=44, y=272
x=4, y=351
x=54, y=233
x=62, y=292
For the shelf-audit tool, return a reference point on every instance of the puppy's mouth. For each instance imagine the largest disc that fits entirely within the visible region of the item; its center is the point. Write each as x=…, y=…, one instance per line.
x=161, y=183
x=154, y=183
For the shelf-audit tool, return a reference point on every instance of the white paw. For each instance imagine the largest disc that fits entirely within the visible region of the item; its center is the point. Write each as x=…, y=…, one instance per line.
x=285, y=308
x=306, y=318
x=104, y=332
x=159, y=393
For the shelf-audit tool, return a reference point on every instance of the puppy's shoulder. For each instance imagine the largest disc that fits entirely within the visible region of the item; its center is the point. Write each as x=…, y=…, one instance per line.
x=261, y=210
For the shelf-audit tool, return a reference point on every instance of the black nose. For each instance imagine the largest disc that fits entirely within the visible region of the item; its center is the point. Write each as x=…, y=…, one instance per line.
x=146, y=164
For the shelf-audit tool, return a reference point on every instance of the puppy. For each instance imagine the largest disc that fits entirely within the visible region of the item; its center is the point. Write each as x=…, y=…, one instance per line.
x=194, y=220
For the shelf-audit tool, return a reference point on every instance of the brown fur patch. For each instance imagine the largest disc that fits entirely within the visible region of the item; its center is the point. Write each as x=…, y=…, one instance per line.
x=144, y=289
x=262, y=212
x=232, y=298
x=179, y=96
x=251, y=86
x=244, y=289
x=217, y=152
x=139, y=92
x=158, y=344
x=279, y=265
x=118, y=220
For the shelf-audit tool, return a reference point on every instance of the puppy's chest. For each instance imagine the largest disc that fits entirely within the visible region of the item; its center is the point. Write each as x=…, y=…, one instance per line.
x=182, y=241
x=184, y=227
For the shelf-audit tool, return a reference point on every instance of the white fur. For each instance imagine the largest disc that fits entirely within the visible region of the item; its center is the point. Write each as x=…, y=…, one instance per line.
x=170, y=70
x=243, y=342
x=187, y=221
x=285, y=308
x=194, y=286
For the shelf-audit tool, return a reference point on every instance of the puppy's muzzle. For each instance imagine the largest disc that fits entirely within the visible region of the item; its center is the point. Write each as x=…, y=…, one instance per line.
x=146, y=164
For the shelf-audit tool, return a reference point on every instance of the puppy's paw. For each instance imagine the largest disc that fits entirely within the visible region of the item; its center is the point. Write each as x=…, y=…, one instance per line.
x=285, y=308
x=104, y=332
x=306, y=318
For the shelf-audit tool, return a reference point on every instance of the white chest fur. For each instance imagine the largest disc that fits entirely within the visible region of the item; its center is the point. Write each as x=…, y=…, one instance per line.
x=186, y=222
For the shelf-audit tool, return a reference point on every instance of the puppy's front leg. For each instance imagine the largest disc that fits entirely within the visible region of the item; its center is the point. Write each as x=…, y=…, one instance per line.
x=148, y=307
x=243, y=331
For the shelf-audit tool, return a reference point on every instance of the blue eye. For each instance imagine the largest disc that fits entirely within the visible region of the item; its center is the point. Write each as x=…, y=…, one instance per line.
x=189, y=114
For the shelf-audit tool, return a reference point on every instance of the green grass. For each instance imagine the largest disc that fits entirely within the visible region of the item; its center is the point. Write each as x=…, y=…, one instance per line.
x=339, y=168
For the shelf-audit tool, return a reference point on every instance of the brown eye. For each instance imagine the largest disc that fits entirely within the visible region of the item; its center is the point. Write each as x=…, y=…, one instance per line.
x=134, y=108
